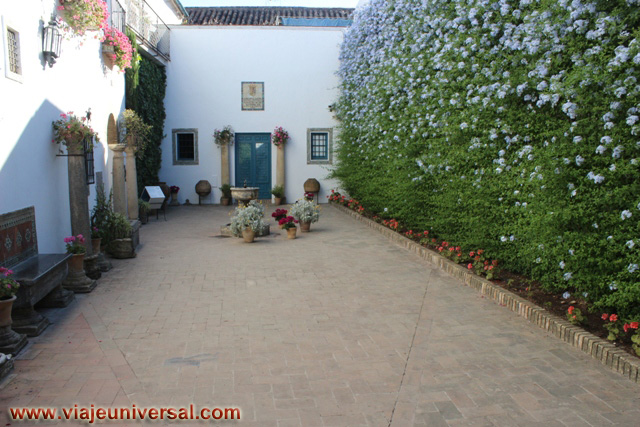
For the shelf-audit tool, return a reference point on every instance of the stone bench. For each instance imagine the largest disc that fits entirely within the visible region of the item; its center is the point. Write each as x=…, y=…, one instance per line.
x=40, y=275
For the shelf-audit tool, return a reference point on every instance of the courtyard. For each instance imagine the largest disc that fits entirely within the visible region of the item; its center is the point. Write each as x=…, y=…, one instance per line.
x=339, y=327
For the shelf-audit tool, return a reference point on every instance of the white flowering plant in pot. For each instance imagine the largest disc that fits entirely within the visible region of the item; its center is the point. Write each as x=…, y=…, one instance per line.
x=305, y=210
x=250, y=216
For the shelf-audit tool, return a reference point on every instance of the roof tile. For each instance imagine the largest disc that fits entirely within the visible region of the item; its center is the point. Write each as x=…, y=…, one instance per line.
x=263, y=16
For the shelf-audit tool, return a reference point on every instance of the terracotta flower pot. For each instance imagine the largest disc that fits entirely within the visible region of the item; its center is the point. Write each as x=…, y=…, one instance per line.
x=225, y=201
x=5, y=311
x=291, y=232
x=277, y=201
x=248, y=235
x=76, y=263
x=305, y=226
x=95, y=245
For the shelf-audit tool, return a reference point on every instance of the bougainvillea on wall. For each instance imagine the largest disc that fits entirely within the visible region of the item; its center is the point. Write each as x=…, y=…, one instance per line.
x=508, y=125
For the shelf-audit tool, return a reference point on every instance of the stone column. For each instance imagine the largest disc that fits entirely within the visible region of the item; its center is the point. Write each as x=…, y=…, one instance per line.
x=79, y=206
x=119, y=185
x=280, y=165
x=224, y=170
x=132, y=183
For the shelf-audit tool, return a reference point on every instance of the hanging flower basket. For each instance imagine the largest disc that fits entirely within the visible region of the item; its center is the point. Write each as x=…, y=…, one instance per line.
x=122, y=50
x=80, y=16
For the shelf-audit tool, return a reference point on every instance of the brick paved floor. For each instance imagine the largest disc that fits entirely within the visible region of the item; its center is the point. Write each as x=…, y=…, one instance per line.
x=336, y=328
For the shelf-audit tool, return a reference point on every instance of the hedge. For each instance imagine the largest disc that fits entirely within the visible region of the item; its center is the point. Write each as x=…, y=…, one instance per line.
x=508, y=125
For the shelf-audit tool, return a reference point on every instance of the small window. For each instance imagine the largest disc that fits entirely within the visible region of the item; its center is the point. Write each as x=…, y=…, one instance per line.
x=12, y=54
x=319, y=146
x=185, y=146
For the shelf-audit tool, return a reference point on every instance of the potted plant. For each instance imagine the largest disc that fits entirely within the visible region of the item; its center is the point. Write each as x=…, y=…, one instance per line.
x=143, y=209
x=117, y=47
x=75, y=247
x=289, y=223
x=279, y=136
x=133, y=130
x=226, y=194
x=174, y=195
x=81, y=16
x=71, y=131
x=8, y=289
x=96, y=239
x=224, y=136
x=279, y=214
x=121, y=245
x=306, y=212
x=247, y=221
x=278, y=194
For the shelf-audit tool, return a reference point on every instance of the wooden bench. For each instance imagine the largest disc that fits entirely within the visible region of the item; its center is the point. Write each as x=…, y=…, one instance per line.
x=40, y=275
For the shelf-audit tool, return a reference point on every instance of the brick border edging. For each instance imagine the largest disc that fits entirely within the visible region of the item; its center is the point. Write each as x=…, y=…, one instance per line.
x=608, y=354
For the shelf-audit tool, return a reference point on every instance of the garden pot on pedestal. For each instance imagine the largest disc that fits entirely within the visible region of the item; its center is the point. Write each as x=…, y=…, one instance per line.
x=77, y=280
x=11, y=342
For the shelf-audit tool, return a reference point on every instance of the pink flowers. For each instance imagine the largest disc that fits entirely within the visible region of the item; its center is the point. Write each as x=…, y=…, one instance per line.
x=74, y=244
x=6, y=271
x=571, y=309
x=279, y=214
x=287, y=222
x=613, y=318
x=279, y=136
x=123, y=51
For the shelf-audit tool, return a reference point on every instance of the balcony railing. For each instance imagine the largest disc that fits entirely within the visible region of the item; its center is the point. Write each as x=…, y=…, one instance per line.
x=150, y=30
x=118, y=15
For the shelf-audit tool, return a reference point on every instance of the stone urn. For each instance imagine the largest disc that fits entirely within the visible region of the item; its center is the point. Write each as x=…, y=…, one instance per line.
x=311, y=186
x=203, y=189
x=122, y=248
x=244, y=194
x=11, y=342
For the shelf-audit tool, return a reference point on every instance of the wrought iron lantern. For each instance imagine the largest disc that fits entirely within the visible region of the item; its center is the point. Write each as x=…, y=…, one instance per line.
x=51, y=39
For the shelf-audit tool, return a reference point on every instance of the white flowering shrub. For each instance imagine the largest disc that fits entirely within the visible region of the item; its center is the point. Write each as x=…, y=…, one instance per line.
x=503, y=124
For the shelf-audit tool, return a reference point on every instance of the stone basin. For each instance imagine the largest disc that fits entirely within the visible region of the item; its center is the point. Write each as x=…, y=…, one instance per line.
x=244, y=194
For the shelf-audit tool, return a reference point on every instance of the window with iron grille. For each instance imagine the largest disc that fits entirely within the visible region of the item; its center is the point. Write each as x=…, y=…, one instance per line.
x=319, y=146
x=13, y=48
x=13, y=62
x=185, y=146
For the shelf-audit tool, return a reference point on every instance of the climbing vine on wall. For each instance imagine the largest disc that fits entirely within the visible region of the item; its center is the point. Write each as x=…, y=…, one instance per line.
x=146, y=83
x=511, y=125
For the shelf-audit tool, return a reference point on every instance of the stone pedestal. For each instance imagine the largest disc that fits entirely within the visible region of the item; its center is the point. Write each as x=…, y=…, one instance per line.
x=119, y=185
x=91, y=267
x=77, y=280
x=11, y=342
x=28, y=321
x=103, y=263
x=280, y=165
x=132, y=183
x=6, y=366
x=58, y=298
x=79, y=194
x=80, y=220
x=224, y=160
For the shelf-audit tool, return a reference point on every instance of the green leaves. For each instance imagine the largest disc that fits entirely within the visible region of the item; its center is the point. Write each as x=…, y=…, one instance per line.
x=502, y=129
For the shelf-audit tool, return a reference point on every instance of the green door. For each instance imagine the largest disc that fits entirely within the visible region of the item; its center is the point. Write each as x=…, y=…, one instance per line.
x=253, y=162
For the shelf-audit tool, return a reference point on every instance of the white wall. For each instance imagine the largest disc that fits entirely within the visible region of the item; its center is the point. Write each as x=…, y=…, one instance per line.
x=30, y=172
x=208, y=64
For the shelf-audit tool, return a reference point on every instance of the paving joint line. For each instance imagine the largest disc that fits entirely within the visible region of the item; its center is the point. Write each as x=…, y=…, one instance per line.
x=413, y=339
x=604, y=351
